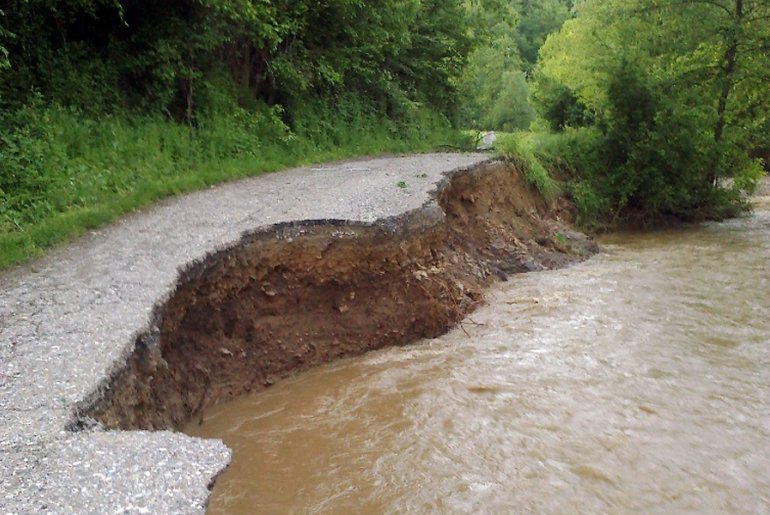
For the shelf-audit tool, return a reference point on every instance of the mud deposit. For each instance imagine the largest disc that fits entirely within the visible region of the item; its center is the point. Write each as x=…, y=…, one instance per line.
x=298, y=295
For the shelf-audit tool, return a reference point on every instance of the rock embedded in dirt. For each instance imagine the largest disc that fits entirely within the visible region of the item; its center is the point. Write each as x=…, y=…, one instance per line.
x=201, y=298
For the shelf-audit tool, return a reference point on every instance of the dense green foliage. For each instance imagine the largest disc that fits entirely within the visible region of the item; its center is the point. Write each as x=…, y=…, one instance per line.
x=103, y=54
x=644, y=108
x=675, y=96
x=108, y=104
x=508, y=33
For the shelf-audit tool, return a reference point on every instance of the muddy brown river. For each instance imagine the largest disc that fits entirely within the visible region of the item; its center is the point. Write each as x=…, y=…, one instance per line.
x=638, y=381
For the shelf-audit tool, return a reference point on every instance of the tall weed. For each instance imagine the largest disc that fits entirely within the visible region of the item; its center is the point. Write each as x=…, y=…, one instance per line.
x=520, y=148
x=63, y=171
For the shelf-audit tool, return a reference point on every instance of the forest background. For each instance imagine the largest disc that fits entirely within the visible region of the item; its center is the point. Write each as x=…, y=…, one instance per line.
x=640, y=110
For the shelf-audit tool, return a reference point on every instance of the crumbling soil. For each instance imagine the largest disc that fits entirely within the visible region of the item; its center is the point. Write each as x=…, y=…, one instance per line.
x=293, y=296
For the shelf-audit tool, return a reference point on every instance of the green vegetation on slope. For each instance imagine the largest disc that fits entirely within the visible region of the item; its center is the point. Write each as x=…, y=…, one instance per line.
x=68, y=173
x=106, y=105
x=642, y=108
x=523, y=148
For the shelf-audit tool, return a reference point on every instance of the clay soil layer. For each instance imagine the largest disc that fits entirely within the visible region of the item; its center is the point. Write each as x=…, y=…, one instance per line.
x=296, y=295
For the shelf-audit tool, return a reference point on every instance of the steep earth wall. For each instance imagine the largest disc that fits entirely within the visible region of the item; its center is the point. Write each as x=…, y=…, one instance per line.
x=197, y=299
x=295, y=295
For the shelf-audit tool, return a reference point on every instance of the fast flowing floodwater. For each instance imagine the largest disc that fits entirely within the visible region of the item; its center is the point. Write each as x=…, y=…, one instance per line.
x=638, y=381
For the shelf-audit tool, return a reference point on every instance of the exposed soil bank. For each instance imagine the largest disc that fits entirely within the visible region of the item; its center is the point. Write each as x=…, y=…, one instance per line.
x=297, y=295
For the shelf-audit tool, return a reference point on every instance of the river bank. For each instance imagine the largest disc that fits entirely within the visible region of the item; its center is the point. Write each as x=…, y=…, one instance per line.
x=635, y=382
x=89, y=331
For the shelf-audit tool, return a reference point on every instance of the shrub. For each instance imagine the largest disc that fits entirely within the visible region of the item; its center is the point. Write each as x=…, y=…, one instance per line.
x=519, y=147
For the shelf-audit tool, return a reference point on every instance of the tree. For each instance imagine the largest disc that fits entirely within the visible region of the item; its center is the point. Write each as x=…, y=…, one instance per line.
x=4, y=34
x=152, y=56
x=539, y=18
x=697, y=71
x=508, y=34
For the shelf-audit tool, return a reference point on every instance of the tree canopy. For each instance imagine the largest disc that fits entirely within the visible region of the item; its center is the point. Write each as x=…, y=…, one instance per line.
x=146, y=55
x=678, y=90
x=508, y=35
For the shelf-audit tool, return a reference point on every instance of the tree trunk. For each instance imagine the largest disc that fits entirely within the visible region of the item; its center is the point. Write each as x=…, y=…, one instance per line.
x=728, y=69
x=189, y=110
x=246, y=52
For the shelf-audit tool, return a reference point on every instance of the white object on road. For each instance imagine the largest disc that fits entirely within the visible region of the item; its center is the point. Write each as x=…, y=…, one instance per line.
x=487, y=141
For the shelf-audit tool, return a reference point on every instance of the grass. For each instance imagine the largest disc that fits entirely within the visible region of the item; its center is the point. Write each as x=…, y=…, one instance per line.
x=62, y=174
x=522, y=148
x=525, y=149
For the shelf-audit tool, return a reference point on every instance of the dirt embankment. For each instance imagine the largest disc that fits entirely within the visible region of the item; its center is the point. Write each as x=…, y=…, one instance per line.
x=298, y=295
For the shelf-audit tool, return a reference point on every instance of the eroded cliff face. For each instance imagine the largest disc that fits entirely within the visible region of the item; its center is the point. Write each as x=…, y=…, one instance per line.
x=293, y=296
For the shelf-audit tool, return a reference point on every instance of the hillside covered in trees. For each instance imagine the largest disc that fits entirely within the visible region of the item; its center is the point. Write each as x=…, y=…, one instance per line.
x=657, y=103
x=640, y=107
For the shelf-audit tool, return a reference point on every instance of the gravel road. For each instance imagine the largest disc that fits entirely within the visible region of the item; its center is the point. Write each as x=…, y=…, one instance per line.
x=67, y=320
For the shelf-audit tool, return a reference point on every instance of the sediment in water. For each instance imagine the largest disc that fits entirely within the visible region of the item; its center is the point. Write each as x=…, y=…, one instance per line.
x=296, y=295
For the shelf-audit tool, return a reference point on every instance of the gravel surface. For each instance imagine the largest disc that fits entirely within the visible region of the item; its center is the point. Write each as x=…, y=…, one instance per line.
x=67, y=320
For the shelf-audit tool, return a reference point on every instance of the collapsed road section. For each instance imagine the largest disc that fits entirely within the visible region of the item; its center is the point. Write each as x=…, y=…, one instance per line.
x=144, y=324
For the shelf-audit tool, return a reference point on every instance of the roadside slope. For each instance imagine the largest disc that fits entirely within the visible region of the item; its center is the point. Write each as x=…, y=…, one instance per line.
x=73, y=322
x=67, y=320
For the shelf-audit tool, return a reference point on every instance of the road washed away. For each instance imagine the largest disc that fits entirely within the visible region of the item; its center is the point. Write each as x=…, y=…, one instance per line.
x=199, y=299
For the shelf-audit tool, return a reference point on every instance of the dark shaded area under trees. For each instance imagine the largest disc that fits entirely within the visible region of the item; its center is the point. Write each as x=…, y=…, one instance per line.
x=102, y=55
